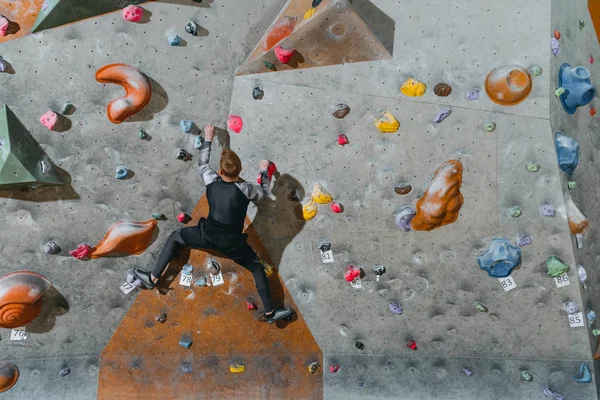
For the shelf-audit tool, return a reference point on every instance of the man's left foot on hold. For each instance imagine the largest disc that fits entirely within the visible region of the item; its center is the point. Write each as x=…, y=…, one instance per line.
x=280, y=313
x=145, y=277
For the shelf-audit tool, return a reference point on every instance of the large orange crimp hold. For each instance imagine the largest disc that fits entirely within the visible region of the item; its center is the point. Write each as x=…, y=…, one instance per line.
x=442, y=200
x=578, y=223
x=138, y=90
x=125, y=238
x=21, y=295
x=279, y=31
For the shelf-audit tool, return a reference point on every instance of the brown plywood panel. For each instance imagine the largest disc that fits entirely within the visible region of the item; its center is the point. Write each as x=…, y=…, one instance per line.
x=143, y=359
x=594, y=9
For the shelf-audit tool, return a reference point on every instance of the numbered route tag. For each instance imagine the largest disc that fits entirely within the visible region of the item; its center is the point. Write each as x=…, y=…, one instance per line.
x=327, y=256
x=562, y=280
x=356, y=283
x=127, y=287
x=186, y=280
x=576, y=320
x=508, y=283
x=18, y=334
x=217, y=279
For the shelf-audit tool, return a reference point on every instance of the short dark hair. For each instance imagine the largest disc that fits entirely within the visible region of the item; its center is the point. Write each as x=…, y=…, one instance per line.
x=231, y=165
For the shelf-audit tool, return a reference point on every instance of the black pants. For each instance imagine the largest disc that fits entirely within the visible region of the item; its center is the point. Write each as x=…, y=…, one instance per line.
x=237, y=249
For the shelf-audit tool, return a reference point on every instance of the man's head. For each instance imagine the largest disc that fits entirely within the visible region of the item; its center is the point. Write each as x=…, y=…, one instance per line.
x=231, y=165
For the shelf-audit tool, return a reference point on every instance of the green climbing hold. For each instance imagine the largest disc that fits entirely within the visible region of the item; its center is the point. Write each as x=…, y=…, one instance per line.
x=596, y=332
x=526, y=375
x=515, y=212
x=571, y=185
x=270, y=65
x=481, y=307
x=159, y=216
x=143, y=135
x=23, y=163
x=535, y=70
x=531, y=167
x=559, y=92
x=556, y=267
x=489, y=126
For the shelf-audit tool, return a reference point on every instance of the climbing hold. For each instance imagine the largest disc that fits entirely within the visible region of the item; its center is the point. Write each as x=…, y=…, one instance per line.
x=442, y=199
x=270, y=172
x=336, y=207
x=468, y=372
x=315, y=3
x=556, y=34
x=64, y=371
x=81, y=252
x=191, y=28
x=137, y=90
x=581, y=25
x=237, y=368
x=142, y=135
x=554, y=46
x=591, y=60
x=547, y=210
x=591, y=316
x=125, y=238
x=526, y=375
x=442, y=90
x=582, y=275
x=3, y=65
x=174, y=40
x=489, y=126
x=284, y=55
x=333, y=368
x=4, y=24
x=413, y=87
x=320, y=195
x=186, y=126
x=386, y=123
x=279, y=31
x=235, y=123
x=508, y=85
x=556, y=267
x=186, y=367
x=404, y=218
x=579, y=89
x=481, y=307
x=132, y=13
x=68, y=109
x=592, y=112
x=549, y=392
x=535, y=70
x=351, y=273
x=159, y=216
x=198, y=141
x=213, y=267
x=51, y=248
x=361, y=383
x=121, y=173
x=583, y=375
x=9, y=375
x=187, y=343
x=559, y=91
x=411, y=344
x=442, y=115
x=567, y=150
x=313, y=367
x=531, y=167
x=309, y=209
x=500, y=258
x=132, y=279
x=578, y=223
x=515, y=212
x=396, y=308
x=270, y=65
x=325, y=246
x=473, y=94
x=524, y=240
x=183, y=155
x=309, y=13
x=161, y=318
x=250, y=305
x=257, y=93
x=596, y=332
x=379, y=270
x=183, y=218
x=342, y=139
x=21, y=298
x=49, y=119
x=359, y=345
x=402, y=188
x=341, y=110
x=570, y=307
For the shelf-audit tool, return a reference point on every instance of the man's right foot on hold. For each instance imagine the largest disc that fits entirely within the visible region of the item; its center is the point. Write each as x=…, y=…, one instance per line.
x=145, y=277
x=280, y=313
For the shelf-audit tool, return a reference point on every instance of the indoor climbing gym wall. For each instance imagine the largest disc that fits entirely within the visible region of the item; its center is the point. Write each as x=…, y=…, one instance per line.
x=431, y=218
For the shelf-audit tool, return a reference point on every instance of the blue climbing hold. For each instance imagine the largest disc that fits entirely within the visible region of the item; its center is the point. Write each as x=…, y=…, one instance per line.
x=201, y=281
x=186, y=126
x=500, y=258
x=198, y=140
x=121, y=173
x=579, y=89
x=174, y=40
x=583, y=375
x=567, y=150
x=396, y=308
x=187, y=343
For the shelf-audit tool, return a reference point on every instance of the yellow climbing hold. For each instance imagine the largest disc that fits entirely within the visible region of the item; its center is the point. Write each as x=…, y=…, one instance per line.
x=313, y=367
x=320, y=195
x=310, y=13
x=309, y=209
x=413, y=88
x=387, y=123
x=237, y=368
x=268, y=268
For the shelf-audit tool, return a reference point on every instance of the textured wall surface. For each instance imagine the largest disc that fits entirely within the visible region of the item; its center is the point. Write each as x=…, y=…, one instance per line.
x=433, y=275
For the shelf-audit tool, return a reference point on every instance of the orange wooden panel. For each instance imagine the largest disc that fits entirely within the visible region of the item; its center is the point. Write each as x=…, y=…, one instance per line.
x=143, y=359
x=22, y=15
x=594, y=9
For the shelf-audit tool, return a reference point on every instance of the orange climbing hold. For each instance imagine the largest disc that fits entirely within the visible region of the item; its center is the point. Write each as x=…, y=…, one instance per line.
x=138, y=90
x=125, y=238
x=556, y=34
x=279, y=31
x=21, y=295
x=442, y=200
x=578, y=223
x=9, y=375
x=508, y=85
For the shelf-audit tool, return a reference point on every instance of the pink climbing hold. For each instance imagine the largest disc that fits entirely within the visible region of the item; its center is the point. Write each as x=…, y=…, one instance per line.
x=336, y=207
x=351, y=273
x=133, y=13
x=333, y=368
x=284, y=55
x=411, y=344
x=272, y=169
x=250, y=305
x=49, y=119
x=343, y=139
x=235, y=123
x=82, y=251
x=183, y=218
x=4, y=24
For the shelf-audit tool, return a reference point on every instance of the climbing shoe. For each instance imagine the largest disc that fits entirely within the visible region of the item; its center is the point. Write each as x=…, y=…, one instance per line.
x=144, y=277
x=280, y=313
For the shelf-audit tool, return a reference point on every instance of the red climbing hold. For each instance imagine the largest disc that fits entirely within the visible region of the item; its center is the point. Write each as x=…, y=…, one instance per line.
x=250, y=305
x=336, y=207
x=284, y=55
x=411, y=344
x=82, y=251
x=272, y=169
x=333, y=368
x=592, y=112
x=351, y=273
x=235, y=123
x=556, y=34
x=183, y=218
x=343, y=139
x=591, y=60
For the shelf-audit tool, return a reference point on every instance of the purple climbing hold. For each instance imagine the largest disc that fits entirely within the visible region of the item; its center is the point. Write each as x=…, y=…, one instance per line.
x=467, y=372
x=3, y=65
x=524, y=240
x=404, y=218
x=186, y=367
x=547, y=210
x=442, y=115
x=396, y=308
x=51, y=248
x=64, y=371
x=553, y=394
x=555, y=46
x=473, y=94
